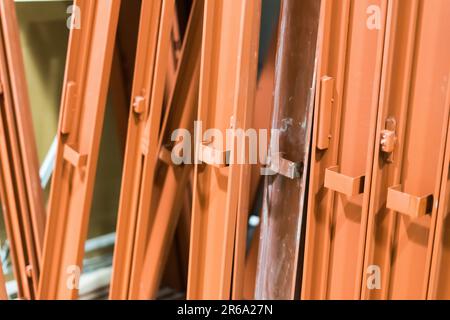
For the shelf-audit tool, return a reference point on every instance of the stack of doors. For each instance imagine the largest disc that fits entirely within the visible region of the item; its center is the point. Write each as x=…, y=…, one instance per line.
x=377, y=194
x=356, y=200
x=377, y=206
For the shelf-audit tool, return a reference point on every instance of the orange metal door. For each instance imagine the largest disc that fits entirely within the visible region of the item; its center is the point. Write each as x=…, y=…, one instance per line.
x=86, y=81
x=439, y=286
x=134, y=220
x=409, y=154
x=180, y=115
x=351, y=52
x=227, y=88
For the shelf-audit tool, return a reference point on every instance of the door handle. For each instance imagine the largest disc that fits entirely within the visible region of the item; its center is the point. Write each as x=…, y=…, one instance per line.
x=284, y=167
x=75, y=158
x=408, y=204
x=338, y=182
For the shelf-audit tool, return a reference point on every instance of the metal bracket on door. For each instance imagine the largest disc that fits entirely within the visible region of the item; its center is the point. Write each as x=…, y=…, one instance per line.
x=349, y=186
x=69, y=107
x=325, y=108
x=407, y=204
x=75, y=158
x=284, y=167
x=389, y=139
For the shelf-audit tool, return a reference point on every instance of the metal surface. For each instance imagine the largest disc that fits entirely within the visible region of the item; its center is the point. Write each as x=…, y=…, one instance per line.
x=20, y=191
x=245, y=259
x=134, y=220
x=355, y=204
x=439, y=286
x=85, y=89
x=351, y=53
x=282, y=222
x=413, y=206
x=349, y=186
x=181, y=113
x=3, y=294
x=414, y=92
x=227, y=88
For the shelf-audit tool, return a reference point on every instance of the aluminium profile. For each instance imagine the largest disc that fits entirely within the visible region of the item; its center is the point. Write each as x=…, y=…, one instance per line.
x=414, y=110
x=176, y=269
x=21, y=194
x=134, y=220
x=394, y=104
x=88, y=68
x=174, y=55
x=244, y=203
x=438, y=287
x=343, y=147
x=245, y=263
x=180, y=115
x=227, y=89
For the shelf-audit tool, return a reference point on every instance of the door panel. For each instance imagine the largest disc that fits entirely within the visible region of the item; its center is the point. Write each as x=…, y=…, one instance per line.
x=350, y=64
x=413, y=105
x=282, y=228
